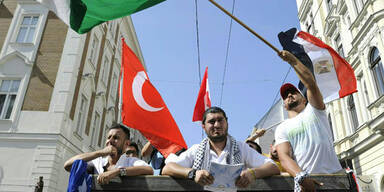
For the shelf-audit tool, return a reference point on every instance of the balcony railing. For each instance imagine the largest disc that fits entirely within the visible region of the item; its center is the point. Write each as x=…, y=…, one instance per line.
x=166, y=183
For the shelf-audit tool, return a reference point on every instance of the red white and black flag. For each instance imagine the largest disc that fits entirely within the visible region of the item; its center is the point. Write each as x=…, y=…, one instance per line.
x=334, y=76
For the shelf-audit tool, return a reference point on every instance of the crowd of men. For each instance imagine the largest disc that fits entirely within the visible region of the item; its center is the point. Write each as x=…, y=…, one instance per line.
x=302, y=145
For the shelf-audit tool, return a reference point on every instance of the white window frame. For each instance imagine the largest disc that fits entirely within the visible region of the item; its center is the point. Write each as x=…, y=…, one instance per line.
x=376, y=67
x=94, y=50
x=114, y=85
x=105, y=70
x=81, y=115
x=353, y=116
x=25, y=8
x=8, y=93
x=95, y=128
x=339, y=45
x=28, y=26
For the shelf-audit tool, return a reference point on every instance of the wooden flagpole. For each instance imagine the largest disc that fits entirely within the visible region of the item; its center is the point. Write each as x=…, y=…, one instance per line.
x=245, y=26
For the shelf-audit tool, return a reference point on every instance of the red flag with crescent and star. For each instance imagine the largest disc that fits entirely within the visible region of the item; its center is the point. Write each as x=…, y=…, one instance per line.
x=144, y=109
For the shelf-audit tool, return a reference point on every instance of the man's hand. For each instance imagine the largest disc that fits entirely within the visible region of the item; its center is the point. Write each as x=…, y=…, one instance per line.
x=203, y=177
x=109, y=150
x=308, y=185
x=245, y=178
x=105, y=177
x=288, y=57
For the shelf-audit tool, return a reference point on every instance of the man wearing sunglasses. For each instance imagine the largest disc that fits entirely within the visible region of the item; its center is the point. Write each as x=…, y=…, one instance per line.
x=306, y=132
x=132, y=150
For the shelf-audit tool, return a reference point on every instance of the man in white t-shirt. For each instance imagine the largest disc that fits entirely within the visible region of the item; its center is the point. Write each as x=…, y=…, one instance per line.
x=307, y=132
x=221, y=148
x=112, y=161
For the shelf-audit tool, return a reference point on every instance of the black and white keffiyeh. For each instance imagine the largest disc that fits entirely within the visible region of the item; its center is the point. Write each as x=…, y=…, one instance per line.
x=202, y=157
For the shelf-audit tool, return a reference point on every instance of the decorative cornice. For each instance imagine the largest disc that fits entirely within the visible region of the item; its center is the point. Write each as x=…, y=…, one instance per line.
x=13, y=55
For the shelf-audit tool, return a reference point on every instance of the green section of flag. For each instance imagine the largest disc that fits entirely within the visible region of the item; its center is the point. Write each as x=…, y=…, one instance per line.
x=85, y=14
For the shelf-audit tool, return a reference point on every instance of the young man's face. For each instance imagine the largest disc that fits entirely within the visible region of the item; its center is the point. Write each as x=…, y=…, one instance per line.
x=292, y=98
x=117, y=138
x=131, y=151
x=216, y=127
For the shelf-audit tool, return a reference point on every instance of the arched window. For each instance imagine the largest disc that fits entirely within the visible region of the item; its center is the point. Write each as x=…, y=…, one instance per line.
x=352, y=112
x=377, y=69
x=331, y=126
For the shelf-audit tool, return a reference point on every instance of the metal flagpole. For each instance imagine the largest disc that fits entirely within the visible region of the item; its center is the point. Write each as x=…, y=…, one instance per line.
x=245, y=26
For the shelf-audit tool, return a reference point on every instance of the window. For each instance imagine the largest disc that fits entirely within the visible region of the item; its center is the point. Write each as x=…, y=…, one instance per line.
x=352, y=112
x=377, y=70
x=365, y=93
x=27, y=29
x=8, y=93
x=329, y=4
x=339, y=45
x=94, y=49
x=359, y=4
x=95, y=128
x=104, y=73
x=114, y=86
x=81, y=116
x=331, y=126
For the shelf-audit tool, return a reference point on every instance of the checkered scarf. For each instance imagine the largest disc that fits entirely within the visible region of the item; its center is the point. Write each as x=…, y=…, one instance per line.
x=202, y=157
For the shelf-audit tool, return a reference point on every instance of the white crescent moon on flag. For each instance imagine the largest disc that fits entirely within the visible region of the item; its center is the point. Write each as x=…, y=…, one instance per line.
x=137, y=87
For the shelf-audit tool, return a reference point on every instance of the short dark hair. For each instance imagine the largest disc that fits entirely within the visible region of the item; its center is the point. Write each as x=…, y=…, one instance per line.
x=213, y=110
x=133, y=144
x=258, y=148
x=122, y=127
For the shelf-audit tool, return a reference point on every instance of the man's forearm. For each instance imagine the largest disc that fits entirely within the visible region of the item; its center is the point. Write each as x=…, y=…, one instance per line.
x=139, y=170
x=175, y=170
x=84, y=156
x=290, y=166
x=304, y=74
x=147, y=150
x=265, y=170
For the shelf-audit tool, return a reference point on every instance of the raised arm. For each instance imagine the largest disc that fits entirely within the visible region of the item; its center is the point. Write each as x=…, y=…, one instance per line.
x=109, y=150
x=314, y=95
x=147, y=149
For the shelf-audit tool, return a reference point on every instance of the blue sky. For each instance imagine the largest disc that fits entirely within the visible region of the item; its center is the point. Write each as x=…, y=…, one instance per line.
x=254, y=73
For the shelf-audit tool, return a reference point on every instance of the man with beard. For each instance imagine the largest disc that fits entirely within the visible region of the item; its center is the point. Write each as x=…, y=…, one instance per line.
x=112, y=161
x=306, y=132
x=221, y=148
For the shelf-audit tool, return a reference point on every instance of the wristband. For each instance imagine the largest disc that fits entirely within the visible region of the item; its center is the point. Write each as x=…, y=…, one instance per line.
x=253, y=172
x=299, y=178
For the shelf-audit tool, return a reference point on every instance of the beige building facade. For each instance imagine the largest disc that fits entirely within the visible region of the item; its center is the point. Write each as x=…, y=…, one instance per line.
x=58, y=92
x=355, y=29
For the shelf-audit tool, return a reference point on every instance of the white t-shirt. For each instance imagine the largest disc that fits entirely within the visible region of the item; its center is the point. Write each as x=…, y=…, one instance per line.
x=249, y=156
x=309, y=134
x=124, y=161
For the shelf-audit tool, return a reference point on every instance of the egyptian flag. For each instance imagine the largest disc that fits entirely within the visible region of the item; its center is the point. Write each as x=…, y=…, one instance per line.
x=144, y=109
x=334, y=76
x=203, y=99
x=83, y=15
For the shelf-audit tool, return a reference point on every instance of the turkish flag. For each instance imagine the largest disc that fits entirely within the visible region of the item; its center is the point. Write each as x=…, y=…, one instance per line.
x=203, y=99
x=144, y=109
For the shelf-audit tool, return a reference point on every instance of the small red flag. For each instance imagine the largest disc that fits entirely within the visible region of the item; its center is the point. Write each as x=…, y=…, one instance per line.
x=203, y=99
x=144, y=109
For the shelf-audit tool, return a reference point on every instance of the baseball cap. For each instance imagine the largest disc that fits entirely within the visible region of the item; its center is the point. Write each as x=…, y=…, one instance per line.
x=288, y=86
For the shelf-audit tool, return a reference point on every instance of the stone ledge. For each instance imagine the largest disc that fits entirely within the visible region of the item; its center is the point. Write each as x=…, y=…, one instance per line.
x=166, y=183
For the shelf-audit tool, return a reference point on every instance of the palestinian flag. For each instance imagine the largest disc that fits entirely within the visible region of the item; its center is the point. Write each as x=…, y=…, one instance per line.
x=83, y=15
